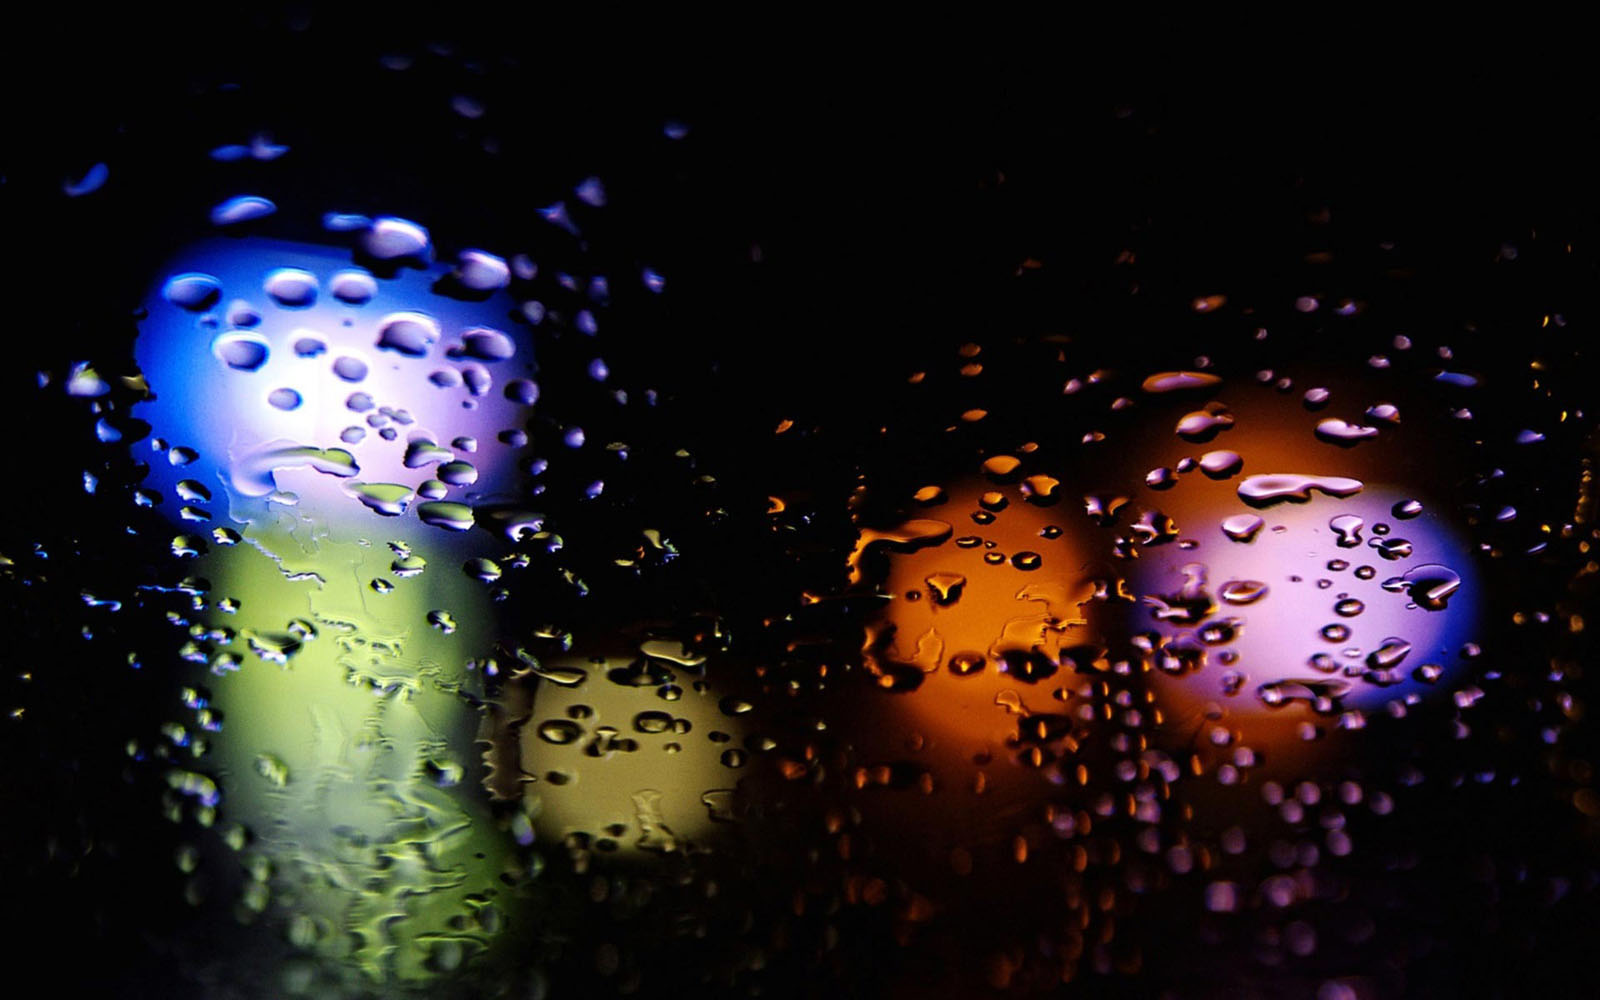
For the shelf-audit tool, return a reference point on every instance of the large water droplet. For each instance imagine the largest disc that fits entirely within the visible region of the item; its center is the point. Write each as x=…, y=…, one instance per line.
x=284, y=398
x=1264, y=491
x=445, y=514
x=1221, y=464
x=291, y=287
x=243, y=208
x=353, y=287
x=1431, y=585
x=559, y=731
x=1347, y=530
x=487, y=344
x=1175, y=381
x=408, y=333
x=388, y=238
x=1243, y=591
x=350, y=369
x=1342, y=432
x=481, y=271
x=388, y=499
x=1242, y=527
x=192, y=291
x=243, y=352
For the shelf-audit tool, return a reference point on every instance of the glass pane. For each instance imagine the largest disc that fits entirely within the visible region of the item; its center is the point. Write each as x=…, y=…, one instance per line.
x=496, y=520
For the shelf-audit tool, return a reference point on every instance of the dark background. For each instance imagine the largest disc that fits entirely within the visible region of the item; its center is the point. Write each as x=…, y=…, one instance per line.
x=846, y=199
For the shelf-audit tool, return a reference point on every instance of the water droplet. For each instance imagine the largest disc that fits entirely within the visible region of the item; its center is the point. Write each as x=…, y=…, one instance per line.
x=458, y=473
x=1242, y=527
x=309, y=347
x=1041, y=490
x=1027, y=561
x=945, y=588
x=486, y=344
x=481, y=271
x=1263, y=491
x=1221, y=464
x=389, y=238
x=1431, y=585
x=291, y=287
x=284, y=398
x=1428, y=673
x=1349, y=608
x=243, y=352
x=275, y=771
x=477, y=378
x=652, y=722
x=1404, y=510
x=423, y=452
x=591, y=192
x=1322, y=694
x=92, y=180
x=408, y=333
x=559, y=731
x=353, y=287
x=1347, y=530
x=482, y=570
x=522, y=391
x=1176, y=381
x=192, y=291
x=350, y=369
x=388, y=499
x=1001, y=466
x=1203, y=425
x=1342, y=432
x=964, y=664
x=85, y=383
x=1243, y=591
x=1388, y=654
x=1336, y=632
x=251, y=473
x=243, y=208
x=445, y=514
x=1392, y=549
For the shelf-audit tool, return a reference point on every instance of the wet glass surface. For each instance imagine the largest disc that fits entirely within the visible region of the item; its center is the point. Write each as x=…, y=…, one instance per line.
x=491, y=521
